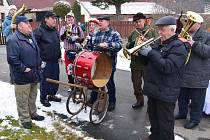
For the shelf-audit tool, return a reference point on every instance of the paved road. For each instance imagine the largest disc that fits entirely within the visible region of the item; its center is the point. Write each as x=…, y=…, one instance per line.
x=123, y=123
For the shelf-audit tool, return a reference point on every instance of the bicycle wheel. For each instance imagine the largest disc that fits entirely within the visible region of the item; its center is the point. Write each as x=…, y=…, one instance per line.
x=75, y=101
x=98, y=110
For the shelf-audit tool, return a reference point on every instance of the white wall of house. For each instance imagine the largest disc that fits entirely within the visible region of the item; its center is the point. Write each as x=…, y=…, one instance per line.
x=4, y=8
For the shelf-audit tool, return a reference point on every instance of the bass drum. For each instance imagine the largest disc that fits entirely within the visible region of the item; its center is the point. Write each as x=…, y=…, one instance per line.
x=92, y=68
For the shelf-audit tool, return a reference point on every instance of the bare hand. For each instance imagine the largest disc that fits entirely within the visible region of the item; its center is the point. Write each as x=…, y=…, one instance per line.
x=27, y=70
x=191, y=42
x=103, y=45
x=13, y=26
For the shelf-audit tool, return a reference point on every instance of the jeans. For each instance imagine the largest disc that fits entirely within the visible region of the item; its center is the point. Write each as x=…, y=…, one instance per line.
x=52, y=71
x=197, y=97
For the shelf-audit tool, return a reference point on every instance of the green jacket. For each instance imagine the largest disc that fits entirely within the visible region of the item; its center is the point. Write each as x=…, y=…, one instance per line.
x=136, y=61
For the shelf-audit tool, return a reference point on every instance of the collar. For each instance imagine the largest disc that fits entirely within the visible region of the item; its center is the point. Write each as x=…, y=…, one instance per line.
x=170, y=39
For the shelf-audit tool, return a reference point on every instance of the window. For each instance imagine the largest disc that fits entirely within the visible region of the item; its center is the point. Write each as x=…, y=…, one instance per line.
x=1, y=2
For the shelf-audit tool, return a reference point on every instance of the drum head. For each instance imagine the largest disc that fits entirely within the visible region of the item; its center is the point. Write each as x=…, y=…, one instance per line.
x=101, y=70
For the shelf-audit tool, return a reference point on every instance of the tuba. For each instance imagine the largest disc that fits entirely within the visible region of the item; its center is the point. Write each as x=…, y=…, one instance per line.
x=19, y=12
x=192, y=18
x=128, y=52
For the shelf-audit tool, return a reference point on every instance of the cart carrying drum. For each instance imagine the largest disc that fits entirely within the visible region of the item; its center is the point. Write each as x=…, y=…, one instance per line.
x=92, y=71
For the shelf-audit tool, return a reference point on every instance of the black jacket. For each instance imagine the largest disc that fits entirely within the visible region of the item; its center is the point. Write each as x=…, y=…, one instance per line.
x=23, y=53
x=162, y=74
x=49, y=43
x=196, y=74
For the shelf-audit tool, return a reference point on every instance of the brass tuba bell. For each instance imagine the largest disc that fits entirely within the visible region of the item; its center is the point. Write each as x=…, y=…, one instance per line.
x=192, y=18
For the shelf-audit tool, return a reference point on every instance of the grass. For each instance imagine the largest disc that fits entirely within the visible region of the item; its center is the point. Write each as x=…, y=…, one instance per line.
x=10, y=129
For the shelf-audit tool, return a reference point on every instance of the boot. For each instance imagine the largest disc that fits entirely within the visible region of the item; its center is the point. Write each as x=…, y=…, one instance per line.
x=139, y=101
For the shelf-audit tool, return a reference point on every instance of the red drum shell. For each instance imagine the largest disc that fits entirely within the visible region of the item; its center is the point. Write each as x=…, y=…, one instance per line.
x=92, y=68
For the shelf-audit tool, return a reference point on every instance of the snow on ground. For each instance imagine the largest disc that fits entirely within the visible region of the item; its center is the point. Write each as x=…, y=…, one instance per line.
x=8, y=108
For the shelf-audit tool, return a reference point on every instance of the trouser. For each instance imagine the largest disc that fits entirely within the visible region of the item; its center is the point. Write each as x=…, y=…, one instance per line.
x=51, y=71
x=25, y=100
x=161, y=117
x=110, y=87
x=136, y=77
x=197, y=97
x=69, y=72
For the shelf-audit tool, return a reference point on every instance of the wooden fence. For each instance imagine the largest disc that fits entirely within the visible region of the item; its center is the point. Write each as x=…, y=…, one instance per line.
x=123, y=27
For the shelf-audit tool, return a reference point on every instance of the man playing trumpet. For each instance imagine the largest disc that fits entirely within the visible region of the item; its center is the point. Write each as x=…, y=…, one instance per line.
x=73, y=36
x=162, y=78
x=138, y=36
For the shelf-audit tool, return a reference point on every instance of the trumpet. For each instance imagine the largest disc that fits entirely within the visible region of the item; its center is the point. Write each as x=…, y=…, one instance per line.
x=129, y=52
x=69, y=31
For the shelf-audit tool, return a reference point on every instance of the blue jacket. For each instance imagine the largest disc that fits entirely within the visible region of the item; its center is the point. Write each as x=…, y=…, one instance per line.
x=48, y=40
x=22, y=53
x=6, y=28
x=163, y=72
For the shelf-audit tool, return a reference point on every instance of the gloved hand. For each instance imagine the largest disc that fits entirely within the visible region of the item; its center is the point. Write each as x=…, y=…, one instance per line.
x=145, y=50
x=74, y=38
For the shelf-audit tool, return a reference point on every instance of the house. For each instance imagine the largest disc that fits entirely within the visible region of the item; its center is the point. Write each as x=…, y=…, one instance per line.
x=37, y=8
x=127, y=10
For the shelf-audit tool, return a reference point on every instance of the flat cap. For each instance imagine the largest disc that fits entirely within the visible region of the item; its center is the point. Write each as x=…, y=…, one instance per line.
x=22, y=19
x=103, y=17
x=167, y=20
x=49, y=14
x=138, y=16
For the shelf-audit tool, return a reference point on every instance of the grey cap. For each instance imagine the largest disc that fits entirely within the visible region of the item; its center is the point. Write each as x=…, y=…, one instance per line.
x=167, y=20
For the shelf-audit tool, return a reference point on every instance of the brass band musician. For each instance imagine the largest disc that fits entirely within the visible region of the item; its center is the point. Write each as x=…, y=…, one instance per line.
x=73, y=36
x=141, y=33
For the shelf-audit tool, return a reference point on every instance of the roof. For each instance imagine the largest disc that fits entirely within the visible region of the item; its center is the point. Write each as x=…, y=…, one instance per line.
x=37, y=4
x=127, y=8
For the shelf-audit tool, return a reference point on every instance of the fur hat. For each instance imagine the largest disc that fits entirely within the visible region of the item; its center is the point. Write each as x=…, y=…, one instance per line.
x=138, y=16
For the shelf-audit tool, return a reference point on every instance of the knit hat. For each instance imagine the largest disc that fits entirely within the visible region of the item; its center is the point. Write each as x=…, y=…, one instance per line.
x=12, y=7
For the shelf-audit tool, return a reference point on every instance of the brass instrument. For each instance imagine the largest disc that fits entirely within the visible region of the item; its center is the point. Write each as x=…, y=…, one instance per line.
x=128, y=52
x=138, y=41
x=69, y=31
x=192, y=18
x=19, y=12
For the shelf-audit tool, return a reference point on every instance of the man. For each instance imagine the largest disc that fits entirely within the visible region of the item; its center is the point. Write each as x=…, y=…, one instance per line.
x=162, y=77
x=138, y=36
x=109, y=41
x=73, y=36
x=24, y=60
x=48, y=40
x=7, y=27
x=196, y=75
x=149, y=21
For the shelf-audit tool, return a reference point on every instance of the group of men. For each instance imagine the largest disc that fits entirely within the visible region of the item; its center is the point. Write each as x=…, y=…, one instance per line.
x=172, y=68
x=162, y=65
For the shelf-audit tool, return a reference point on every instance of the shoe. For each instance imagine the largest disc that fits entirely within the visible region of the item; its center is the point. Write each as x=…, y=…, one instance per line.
x=38, y=118
x=45, y=103
x=54, y=98
x=179, y=117
x=111, y=106
x=26, y=125
x=190, y=125
x=137, y=105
